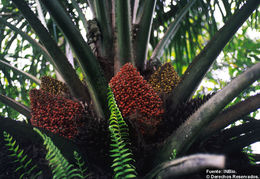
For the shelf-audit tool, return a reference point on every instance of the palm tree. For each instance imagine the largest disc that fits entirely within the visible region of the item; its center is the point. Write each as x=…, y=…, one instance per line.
x=118, y=40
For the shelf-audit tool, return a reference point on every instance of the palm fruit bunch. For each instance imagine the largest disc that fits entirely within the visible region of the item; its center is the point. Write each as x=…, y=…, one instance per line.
x=134, y=96
x=185, y=110
x=174, y=118
x=52, y=111
x=53, y=86
x=164, y=79
x=56, y=114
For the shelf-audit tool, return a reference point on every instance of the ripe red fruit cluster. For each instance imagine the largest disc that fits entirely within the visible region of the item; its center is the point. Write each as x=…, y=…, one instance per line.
x=135, y=96
x=56, y=114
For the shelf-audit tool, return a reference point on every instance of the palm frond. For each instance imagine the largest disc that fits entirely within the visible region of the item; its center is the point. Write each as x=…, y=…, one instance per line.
x=171, y=31
x=123, y=161
x=81, y=165
x=185, y=135
x=203, y=61
x=143, y=35
x=102, y=11
x=124, y=36
x=33, y=42
x=81, y=14
x=16, y=105
x=61, y=62
x=91, y=69
x=60, y=166
x=25, y=166
x=4, y=64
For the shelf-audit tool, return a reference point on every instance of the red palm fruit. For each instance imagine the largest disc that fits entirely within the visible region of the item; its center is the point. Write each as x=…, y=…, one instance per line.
x=134, y=95
x=56, y=114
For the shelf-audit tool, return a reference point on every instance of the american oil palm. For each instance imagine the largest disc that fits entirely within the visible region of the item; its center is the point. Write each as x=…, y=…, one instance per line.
x=120, y=34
